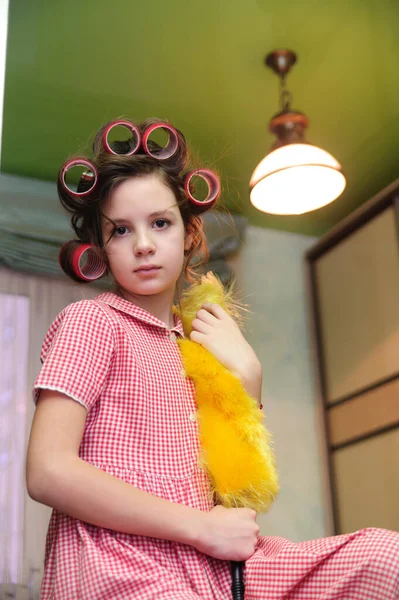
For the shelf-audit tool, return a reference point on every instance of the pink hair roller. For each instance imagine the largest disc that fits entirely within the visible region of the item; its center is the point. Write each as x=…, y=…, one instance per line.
x=213, y=189
x=127, y=125
x=79, y=162
x=93, y=268
x=171, y=145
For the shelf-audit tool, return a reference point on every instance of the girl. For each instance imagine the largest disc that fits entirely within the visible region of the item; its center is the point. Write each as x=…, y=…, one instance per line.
x=114, y=445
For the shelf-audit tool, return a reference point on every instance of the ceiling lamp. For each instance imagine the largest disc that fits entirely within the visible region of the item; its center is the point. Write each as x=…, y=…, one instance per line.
x=295, y=177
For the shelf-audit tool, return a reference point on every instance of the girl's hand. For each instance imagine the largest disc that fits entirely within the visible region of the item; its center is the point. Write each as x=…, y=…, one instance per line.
x=216, y=331
x=228, y=533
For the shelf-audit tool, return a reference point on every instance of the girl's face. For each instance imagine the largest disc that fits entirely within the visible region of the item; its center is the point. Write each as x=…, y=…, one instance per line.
x=146, y=250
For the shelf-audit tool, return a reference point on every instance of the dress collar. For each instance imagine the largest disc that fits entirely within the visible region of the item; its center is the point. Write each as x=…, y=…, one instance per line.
x=133, y=310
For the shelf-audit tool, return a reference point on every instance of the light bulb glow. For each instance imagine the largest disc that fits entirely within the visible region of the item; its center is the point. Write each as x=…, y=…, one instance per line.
x=295, y=179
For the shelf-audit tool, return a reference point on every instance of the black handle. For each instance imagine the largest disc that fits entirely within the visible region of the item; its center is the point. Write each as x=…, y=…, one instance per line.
x=237, y=580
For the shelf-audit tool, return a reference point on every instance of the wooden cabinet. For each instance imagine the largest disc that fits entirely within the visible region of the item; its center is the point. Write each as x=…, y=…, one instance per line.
x=354, y=283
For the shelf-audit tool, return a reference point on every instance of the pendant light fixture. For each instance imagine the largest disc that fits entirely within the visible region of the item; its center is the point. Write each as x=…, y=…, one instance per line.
x=295, y=177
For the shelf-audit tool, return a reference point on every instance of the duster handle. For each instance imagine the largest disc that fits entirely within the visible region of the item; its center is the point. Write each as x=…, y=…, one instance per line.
x=237, y=580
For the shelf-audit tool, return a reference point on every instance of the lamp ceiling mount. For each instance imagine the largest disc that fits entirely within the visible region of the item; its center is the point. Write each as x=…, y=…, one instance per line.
x=281, y=61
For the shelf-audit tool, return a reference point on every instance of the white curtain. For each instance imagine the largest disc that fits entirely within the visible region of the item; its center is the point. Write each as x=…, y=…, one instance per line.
x=28, y=305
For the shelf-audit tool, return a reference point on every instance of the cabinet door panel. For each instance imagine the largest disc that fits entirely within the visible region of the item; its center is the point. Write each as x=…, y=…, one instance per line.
x=364, y=414
x=358, y=289
x=367, y=483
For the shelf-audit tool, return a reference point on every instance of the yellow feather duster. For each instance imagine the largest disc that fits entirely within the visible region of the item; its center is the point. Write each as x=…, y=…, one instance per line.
x=235, y=444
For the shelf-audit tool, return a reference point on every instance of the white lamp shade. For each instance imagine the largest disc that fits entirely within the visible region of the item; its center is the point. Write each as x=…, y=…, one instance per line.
x=295, y=179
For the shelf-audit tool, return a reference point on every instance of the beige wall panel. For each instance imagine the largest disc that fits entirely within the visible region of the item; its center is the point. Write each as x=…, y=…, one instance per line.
x=358, y=286
x=373, y=410
x=367, y=483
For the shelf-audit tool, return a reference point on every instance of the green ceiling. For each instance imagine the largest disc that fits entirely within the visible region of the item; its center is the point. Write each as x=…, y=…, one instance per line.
x=73, y=65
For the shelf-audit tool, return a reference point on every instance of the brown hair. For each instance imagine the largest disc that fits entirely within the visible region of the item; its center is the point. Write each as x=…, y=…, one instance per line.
x=112, y=170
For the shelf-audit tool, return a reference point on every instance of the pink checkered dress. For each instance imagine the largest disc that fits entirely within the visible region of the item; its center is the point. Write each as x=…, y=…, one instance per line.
x=124, y=366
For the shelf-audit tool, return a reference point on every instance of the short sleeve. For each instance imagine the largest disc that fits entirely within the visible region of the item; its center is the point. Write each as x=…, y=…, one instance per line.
x=77, y=353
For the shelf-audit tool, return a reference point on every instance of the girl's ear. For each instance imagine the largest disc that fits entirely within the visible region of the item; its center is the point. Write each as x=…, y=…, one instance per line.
x=188, y=241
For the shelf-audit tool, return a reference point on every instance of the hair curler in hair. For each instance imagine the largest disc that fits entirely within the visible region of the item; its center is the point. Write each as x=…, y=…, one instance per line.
x=89, y=176
x=81, y=261
x=213, y=182
x=172, y=144
x=134, y=130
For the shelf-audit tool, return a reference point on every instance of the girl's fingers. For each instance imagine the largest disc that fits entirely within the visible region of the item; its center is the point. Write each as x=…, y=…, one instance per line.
x=207, y=317
x=196, y=336
x=201, y=326
x=214, y=310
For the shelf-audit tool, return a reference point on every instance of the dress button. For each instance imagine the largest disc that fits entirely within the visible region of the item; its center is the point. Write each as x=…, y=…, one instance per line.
x=172, y=337
x=193, y=417
x=183, y=374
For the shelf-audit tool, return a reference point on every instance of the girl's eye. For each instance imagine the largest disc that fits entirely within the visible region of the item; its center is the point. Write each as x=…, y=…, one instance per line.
x=161, y=223
x=120, y=230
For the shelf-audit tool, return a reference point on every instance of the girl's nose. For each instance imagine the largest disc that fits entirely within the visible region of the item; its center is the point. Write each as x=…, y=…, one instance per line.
x=144, y=244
